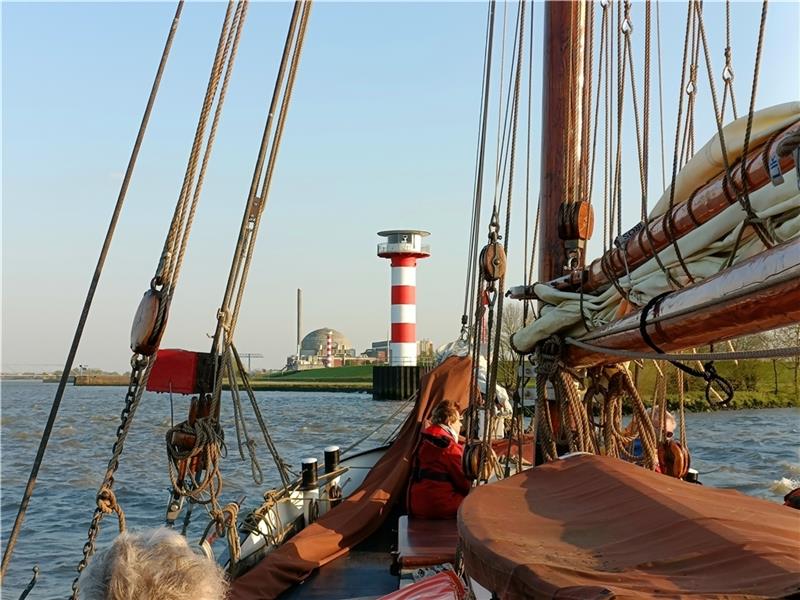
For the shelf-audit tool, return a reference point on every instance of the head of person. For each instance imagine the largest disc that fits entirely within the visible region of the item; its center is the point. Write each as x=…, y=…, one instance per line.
x=155, y=564
x=446, y=413
x=670, y=422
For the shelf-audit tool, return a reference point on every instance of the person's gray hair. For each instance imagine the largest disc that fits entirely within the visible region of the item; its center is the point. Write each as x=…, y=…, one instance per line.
x=155, y=564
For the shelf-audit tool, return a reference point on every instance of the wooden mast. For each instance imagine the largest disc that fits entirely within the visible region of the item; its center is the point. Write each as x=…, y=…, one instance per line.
x=565, y=112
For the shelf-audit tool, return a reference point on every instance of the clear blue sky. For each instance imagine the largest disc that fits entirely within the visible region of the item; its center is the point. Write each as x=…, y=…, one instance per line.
x=381, y=134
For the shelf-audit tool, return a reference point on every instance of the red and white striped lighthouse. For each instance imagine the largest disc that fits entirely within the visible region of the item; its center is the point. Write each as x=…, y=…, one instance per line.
x=404, y=247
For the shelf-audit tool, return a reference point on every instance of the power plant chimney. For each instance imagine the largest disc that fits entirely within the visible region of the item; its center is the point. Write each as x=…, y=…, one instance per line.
x=299, y=319
x=404, y=247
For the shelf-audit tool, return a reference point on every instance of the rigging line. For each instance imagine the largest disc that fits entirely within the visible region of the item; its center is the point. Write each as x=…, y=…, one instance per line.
x=12, y=540
x=502, y=165
x=231, y=48
x=600, y=66
x=617, y=185
x=660, y=95
x=252, y=225
x=786, y=352
x=643, y=141
x=165, y=268
x=512, y=160
x=272, y=158
x=257, y=172
x=754, y=90
x=584, y=190
x=501, y=115
x=608, y=133
x=741, y=193
x=283, y=469
x=483, y=136
x=668, y=229
x=727, y=70
x=526, y=275
x=687, y=144
x=466, y=317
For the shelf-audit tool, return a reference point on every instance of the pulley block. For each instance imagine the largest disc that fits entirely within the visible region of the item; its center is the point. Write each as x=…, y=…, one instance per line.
x=673, y=458
x=575, y=220
x=472, y=458
x=147, y=327
x=493, y=261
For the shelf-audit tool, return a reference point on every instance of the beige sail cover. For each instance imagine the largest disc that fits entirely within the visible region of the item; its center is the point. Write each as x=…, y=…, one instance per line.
x=709, y=160
x=594, y=527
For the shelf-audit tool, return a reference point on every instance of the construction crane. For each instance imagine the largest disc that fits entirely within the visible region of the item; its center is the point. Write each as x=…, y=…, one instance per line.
x=248, y=356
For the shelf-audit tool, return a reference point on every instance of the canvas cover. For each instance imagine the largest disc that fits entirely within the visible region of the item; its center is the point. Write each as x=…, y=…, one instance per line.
x=363, y=512
x=442, y=586
x=594, y=527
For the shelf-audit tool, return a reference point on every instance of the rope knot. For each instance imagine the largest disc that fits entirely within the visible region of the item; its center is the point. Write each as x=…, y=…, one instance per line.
x=107, y=504
x=107, y=500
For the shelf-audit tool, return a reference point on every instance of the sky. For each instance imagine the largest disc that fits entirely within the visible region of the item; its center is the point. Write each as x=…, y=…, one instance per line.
x=381, y=134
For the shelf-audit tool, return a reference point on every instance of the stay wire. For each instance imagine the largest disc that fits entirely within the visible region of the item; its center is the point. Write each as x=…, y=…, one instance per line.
x=12, y=540
x=482, y=143
x=476, y=200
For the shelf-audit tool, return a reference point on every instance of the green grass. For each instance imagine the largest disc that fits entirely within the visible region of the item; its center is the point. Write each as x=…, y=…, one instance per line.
x=349, y=374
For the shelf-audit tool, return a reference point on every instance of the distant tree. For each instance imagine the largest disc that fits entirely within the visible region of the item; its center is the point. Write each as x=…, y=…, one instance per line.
x=511, y=323
x=784, y=338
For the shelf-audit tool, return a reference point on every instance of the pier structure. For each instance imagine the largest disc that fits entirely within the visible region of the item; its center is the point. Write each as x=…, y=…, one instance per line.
x=404, y=248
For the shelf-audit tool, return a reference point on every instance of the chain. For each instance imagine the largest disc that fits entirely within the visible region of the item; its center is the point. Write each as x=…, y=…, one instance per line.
x=106, y=501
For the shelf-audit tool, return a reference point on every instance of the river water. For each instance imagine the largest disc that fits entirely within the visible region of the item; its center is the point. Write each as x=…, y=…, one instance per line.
x=753, y=451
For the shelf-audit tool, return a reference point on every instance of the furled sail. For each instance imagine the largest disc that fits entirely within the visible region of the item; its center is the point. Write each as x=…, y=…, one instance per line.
x=722, y=241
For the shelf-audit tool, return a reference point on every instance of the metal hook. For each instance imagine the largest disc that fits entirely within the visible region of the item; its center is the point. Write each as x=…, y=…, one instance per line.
x=32, y=583
x=727, y=73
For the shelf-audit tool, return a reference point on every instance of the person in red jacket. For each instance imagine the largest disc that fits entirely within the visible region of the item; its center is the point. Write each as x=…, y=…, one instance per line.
x=438, y=484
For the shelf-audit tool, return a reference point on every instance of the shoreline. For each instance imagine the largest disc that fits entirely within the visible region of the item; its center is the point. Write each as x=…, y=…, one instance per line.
x=742, y=400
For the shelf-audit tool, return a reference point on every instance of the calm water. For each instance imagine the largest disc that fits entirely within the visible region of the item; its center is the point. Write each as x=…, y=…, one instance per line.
x=755, y=452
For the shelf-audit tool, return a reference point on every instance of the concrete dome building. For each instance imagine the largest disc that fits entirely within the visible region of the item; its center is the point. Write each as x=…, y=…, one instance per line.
x=315, y=343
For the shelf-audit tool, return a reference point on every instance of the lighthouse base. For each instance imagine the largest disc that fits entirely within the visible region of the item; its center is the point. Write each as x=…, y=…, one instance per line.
x=395, y=383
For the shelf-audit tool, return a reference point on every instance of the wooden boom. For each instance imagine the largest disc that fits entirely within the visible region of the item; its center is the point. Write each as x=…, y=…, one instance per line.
x=760, y=293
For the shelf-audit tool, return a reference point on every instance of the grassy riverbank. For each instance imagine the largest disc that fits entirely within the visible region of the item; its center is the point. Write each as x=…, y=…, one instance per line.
x=756, y=384
x=339, y=379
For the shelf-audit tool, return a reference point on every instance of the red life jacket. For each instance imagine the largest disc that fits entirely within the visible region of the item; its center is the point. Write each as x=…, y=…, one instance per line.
x=438, y=483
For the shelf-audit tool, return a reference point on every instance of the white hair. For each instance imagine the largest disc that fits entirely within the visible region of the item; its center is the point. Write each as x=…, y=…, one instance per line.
x=155, y=564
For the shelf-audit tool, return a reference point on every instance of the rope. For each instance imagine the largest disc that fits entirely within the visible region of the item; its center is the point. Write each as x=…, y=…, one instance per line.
x=741, y=193
x=472, y=257
x=526, y=270
x=12, y=540
x=660, y=95
x=727, y=70
x=237, y=279
x=225, y=520
x=283, y=469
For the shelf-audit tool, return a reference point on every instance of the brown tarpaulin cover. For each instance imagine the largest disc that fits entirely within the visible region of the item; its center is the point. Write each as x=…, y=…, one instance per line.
x=362, y=512
x=595, y=527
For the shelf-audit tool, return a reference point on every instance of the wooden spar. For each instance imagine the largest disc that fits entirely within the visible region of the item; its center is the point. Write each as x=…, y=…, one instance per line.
x=706, y=203
x=565, y=108
x=756, y=295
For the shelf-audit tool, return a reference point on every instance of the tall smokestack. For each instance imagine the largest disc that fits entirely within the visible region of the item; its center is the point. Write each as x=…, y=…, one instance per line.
x=299, y=318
